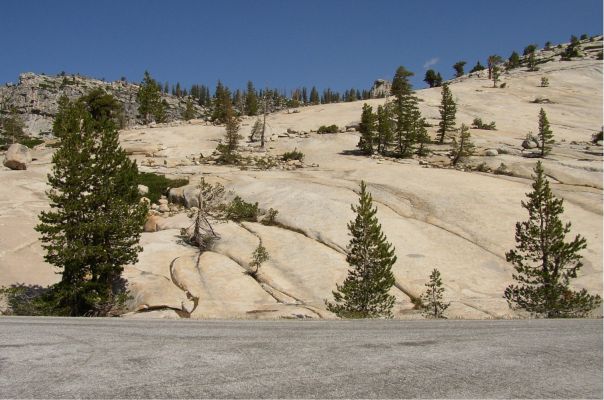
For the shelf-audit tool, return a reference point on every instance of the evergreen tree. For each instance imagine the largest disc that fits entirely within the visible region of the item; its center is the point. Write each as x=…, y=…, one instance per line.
x=447, y=109
x=430, y=78
x=228, y=147
x=367, y=129
x=189, y=111
x=544, y=262
x=149, y=100
x=462, y=147
x=530, y=49
x=531, y=62
x=477, y=67
x=458, y=67
x=314, y=96
x=256, y=130
x=364, y=293
x=406, y=113
x=304, y=95
x=251, y=100
x=221, y=103
x=493, y=61
x=95, y=221
x=513, y=60
x=546, y=136
x=259, y=257
x=432, y=299
x=384, y=127
x=11, y=128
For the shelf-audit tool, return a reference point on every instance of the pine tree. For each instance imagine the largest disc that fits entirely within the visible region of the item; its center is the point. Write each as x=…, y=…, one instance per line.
x=228, y=147
x=149, y=100
x=11, y=128
x=259, y=257
x=462, y=147
x=221, y=102
x=458, y=67
x=364, y=293
x=406, y=113
x=256, y=130
x=95, y=221
x=384, y=127
x=367, y=129
x=544, y=262
x=432, y=299
x=314, y=96
x=545, y=134
x=251, y=100
x=430, y=78
x=493, y=61
x=477, y=67
x=447, y=109
x=189, y=111
x=513, y=60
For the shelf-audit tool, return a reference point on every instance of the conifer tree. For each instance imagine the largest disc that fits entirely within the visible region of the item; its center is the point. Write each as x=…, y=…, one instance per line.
x=493, y=62
x=430, y=78
x=462, y=147
x=364, y=293
x=11, y=128
x=384, y=127
x=477, y=67
x=513, y=60
x=228, y=147
x=458, y=67
x=314, y=96
x=406, y=112
x=221, y=102
x=544, y=262
x=367, y=129
x=447, y=109
x=545, y=135
x=150, y=105
x=251, y=100
x=189, y=111
x=95, y=221
x=256, y=130
x=432, y=299
x=259, y=257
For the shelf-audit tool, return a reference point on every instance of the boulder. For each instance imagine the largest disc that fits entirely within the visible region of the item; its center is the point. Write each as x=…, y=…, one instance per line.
x=153, y=224
x=17, y=157
x=143, y=190
x=528, y=144
x=491, y=152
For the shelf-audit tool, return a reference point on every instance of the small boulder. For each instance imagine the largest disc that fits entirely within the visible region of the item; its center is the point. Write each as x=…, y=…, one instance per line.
x=491, y=152
x=17, y=157
x=529, y=144
x=153, y=223
x=164, y=208
x=143, y=190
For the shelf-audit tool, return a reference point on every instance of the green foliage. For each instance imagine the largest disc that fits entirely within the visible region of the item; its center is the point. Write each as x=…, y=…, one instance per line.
x=95, y=221
x=458, y=67
x=478, y=124
x=251, y=100
x=432, y=298
x=259, y=257
x=24, y=299
x=158, y=184
x=530, y=49
x=11, y=129
x=431, y=78
x=240, y=210
x=189, y=112
x=462, y=145
x=256, y=130
x=544, y=262
x=293, y=155
x=544, y=81
x=477, y=67
x=367, y=128
x=545, y=135
x=513, y=61
x=447, y=110
x=409, y=125
x=227, y=149
x=314, y=96
x=328, y=129
x=221, y=104
x=31, y=142
x=270, y=218
x=150, y=104
x=364, y=293
x=384, y=127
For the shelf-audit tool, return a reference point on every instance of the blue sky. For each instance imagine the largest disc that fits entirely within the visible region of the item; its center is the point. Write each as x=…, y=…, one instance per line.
x=279, y=43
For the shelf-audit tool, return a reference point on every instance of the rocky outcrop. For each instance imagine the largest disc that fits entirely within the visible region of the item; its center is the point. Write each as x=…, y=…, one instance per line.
x=380, y=88
x=36, y=97
x=17, y=157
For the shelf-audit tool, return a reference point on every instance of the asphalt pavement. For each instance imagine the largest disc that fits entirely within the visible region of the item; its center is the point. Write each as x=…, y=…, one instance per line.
x=121, y=358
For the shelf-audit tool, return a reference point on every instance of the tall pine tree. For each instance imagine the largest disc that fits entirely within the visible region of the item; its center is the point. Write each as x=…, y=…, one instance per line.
x=432, y=299
x=544, y=262
x=367, y=130
x=95, y=221
x=251, y=100
x=462, y=146
x=447, y=111
x=150, y=105
x=546, y=136
x=406, y=112
x=364, y=293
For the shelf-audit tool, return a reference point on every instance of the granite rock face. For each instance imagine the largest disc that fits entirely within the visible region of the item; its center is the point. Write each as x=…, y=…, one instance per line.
x=36, y=97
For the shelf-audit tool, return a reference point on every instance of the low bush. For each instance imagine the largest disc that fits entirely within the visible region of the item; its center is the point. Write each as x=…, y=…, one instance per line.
x=293, y=155
x=270, y=217
x=478, y=124
x=240, y=210
x=31, y=142
x=158, y=184
x=328, y=129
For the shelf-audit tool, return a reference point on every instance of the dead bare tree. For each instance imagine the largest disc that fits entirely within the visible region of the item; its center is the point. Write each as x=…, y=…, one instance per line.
x=211, y=207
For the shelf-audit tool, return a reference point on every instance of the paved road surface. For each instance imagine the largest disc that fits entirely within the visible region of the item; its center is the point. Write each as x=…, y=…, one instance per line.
x=57, y=357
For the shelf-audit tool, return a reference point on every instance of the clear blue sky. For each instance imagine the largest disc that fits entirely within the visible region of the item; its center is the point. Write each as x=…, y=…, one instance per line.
x=280, y=43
